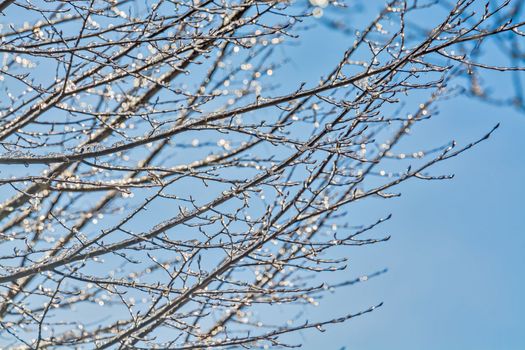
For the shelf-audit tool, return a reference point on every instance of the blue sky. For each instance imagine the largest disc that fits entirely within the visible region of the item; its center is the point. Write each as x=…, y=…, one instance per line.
x=456, y=256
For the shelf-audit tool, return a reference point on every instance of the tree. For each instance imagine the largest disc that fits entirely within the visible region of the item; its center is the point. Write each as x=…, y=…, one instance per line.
x=159, y=185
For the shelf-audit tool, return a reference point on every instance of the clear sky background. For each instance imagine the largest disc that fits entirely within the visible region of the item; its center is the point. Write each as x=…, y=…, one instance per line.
x=456, y=256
